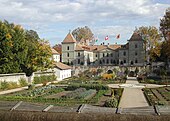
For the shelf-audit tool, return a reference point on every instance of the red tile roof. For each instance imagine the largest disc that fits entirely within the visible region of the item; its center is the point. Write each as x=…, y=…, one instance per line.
x=62, y=66
x=69, y=39
x=54, y=51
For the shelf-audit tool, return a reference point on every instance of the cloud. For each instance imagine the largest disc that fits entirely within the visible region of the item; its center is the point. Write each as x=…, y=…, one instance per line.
x=108, y=16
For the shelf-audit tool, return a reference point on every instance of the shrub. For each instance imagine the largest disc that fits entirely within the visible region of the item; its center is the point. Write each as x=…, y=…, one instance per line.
x=4, y=85
x=8, y=85
x=44, y=79
x=23, y=82
x=111, y=103
x=31, y=87
x=108, y=76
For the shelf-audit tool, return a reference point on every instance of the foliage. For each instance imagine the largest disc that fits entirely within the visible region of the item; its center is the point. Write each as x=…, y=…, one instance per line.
x=23, y=82
x=165, y=24
x=152, y=39
x=44, y=79
x=4, y=85
x=165, y=51
x=111, y=103
x=22, y=50
x=108, y=76
x=87, y=94
x=82, y=33
x=74, y=93
x=13, y=49
x=88, y=86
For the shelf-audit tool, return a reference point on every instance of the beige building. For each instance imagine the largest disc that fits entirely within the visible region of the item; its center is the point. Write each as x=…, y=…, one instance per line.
x=81, y=53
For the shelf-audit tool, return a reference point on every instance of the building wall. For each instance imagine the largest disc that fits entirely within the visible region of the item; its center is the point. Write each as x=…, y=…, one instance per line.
x=62, y=74
x=56, y=57
x=71, y=51
x=123, y=57
x=136, y=53
x=14, y=77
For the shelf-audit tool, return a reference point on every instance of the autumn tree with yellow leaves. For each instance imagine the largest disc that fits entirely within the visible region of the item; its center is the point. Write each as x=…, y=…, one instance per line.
x=22, y=50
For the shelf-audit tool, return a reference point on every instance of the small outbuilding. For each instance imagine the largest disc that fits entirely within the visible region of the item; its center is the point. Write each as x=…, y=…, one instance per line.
x=62, y=71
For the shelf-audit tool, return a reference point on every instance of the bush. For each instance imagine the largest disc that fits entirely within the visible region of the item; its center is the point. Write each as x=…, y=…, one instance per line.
x=111, y=103
x=23, y=82
x=44, y=79
x=8, y=85
x=4, y=85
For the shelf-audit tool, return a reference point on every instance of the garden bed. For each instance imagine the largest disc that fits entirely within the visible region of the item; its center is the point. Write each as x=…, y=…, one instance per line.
x=158, y=96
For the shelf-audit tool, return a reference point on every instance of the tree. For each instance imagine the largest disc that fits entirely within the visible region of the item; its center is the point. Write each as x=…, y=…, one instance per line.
x=82, y=32
x=152, y=39
x=165, y=25
x=38, y=57
x=13, y=49
x=22, y=50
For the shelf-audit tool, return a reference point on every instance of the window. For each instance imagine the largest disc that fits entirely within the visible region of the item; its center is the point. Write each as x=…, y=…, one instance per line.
x=68, y=48
x=136, y=53
x=111, y=61
x=107, y=54
x=100, y=62
x=111, y=54
x=103, y=61
x=107, y=61
x=78, y=61
x=124, y=53
x=136, y=46
x=103, y=55
x=117, y=61
x=136, y=61
x=124, y=61
x=96, y=54
x=68, y=55
x=114, y=62
x=78, y=54
x=121, y=62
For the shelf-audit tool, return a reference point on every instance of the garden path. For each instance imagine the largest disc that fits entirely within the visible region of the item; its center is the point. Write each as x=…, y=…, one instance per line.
x=132, y=97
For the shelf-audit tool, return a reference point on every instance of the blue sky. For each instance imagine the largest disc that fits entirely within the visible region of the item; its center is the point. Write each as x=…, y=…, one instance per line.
x=53, y=19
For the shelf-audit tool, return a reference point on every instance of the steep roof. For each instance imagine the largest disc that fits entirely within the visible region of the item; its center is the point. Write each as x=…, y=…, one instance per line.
x=136, y=37
x=62, y=66
x=69, y=39
x=54, y=51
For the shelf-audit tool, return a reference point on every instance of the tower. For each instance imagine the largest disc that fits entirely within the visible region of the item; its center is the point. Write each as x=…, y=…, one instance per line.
x=68, y=49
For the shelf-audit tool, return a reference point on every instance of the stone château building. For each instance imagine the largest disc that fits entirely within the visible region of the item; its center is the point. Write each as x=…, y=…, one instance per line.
x=81, y=53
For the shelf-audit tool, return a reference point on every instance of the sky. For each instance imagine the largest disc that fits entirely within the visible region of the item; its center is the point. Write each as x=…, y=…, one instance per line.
x=53, y=19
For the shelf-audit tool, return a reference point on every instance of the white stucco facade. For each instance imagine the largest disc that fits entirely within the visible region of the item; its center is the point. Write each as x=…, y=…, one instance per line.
x=62, y=74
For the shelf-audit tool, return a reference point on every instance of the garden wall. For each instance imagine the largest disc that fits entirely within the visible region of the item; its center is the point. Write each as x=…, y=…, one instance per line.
x=14, y=77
